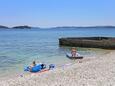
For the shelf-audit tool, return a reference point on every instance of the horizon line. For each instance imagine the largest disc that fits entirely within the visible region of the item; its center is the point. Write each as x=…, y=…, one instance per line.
x=60, y=26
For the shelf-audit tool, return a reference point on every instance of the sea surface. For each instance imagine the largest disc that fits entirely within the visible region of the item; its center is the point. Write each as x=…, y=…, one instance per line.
x=18, y=48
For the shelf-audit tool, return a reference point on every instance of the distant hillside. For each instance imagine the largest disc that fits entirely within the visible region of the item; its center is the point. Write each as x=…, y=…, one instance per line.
x=1, y=26
x=22, y=27
x=85, y=27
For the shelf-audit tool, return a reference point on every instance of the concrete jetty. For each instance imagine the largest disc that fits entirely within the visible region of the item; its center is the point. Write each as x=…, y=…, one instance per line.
x=90, y=42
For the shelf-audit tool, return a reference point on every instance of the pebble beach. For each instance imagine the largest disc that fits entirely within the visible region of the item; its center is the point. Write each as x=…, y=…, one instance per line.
x=98, y=71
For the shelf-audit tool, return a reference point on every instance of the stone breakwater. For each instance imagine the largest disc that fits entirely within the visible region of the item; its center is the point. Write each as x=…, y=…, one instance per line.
x=90, y=42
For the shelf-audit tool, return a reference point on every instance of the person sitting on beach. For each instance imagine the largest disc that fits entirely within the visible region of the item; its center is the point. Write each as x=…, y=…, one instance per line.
x=32, y=65
x=73, y=52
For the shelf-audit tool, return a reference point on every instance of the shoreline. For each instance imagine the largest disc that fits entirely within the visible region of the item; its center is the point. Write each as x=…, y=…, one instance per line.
x=98, y=71
x=93, y=53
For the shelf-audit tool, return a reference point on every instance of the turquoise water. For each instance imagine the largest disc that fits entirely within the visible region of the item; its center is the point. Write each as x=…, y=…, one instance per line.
x=19, y=48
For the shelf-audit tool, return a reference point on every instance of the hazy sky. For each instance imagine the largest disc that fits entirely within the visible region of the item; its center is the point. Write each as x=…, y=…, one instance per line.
x=48, y=13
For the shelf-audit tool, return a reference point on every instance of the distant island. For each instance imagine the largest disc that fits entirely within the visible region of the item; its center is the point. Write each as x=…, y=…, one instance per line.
x=22, y=27
x=16, y=27
x=62, y=27
x=1, y=26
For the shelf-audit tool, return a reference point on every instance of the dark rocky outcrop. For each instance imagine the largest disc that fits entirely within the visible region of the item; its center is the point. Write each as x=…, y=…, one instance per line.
x=5, y=27
x=22, y=27
x=90, y=42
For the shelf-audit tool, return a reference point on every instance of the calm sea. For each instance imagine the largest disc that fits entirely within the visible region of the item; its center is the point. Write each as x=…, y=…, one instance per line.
x=18, y=48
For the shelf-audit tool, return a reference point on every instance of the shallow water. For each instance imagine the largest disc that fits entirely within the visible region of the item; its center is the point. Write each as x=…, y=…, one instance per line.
x=18, y=48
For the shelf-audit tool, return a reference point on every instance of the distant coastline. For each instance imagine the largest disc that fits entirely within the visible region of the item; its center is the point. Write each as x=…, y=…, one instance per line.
x=67, y=27
x=16, y=27
x=86, y=27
